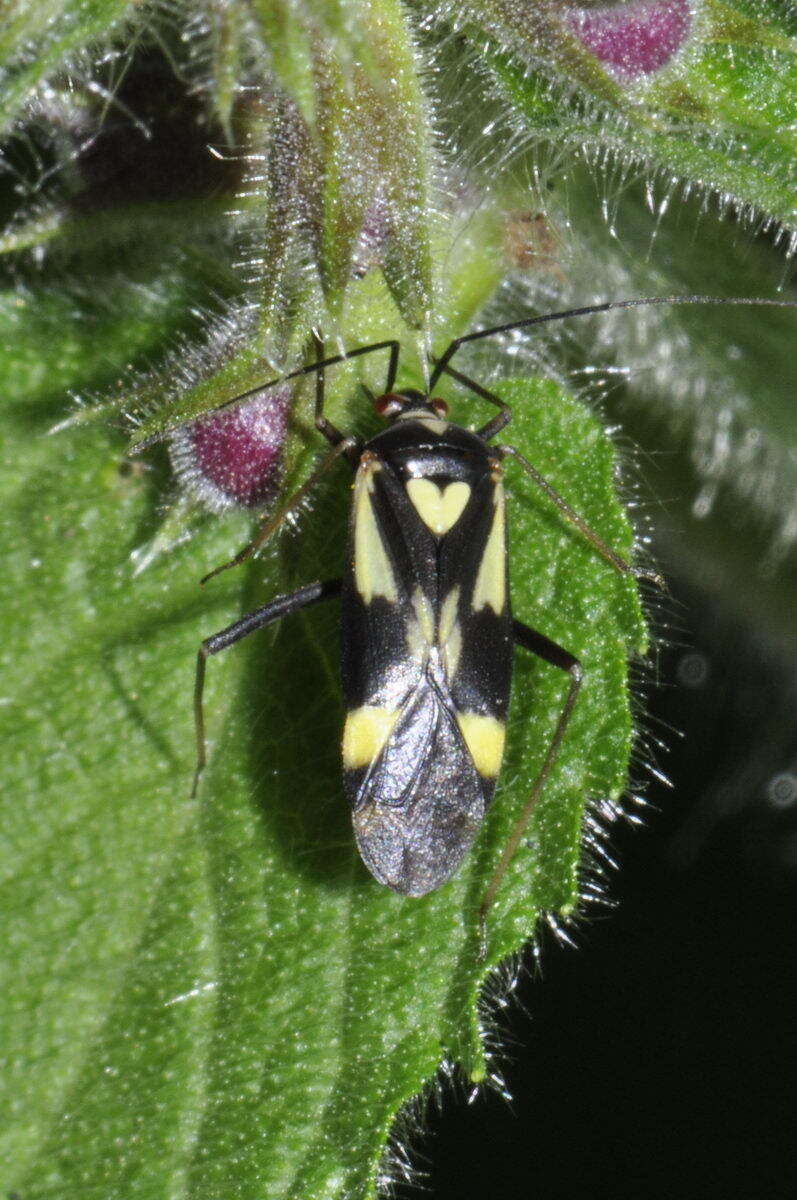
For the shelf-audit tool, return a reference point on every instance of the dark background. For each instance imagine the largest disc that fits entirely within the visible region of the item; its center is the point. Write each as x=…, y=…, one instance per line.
x=657, y=1058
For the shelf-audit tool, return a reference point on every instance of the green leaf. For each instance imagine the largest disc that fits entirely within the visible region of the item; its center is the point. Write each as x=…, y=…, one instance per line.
x=227, y=33
x=745, y=166
x=348, y=172
x=719, y=114
x=212, y=997
x=395, y=107
x=38, y=38
x=112, y=293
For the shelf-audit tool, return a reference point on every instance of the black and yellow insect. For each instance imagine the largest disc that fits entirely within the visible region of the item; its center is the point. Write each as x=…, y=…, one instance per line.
x=427, y=643
x=428, y=634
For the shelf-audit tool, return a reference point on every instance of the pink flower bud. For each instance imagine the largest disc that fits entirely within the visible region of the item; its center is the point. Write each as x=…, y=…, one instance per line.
x=234, y=456
x=633, y=39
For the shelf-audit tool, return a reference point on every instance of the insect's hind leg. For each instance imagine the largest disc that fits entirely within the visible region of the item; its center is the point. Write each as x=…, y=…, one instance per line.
x=551, y=652
x=281, y=606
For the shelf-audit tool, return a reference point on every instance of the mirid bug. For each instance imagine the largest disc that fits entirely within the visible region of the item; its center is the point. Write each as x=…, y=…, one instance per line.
x=428, y=633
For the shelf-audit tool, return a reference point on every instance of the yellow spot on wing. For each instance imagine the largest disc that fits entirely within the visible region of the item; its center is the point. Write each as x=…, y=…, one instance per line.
x=490, y=586
x=450, y=634
x=419, y=628
x=365, y=733
x=484, y=737
x=373, y=574
x=423, y=615
x=439, y=508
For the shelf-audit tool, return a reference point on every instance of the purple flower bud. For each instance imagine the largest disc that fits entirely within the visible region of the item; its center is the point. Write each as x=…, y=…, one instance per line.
x=234, y=456
x=633, y=39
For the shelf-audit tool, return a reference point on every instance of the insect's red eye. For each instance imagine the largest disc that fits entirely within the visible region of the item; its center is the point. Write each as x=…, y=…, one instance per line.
x=440, y=407
x=387, y=405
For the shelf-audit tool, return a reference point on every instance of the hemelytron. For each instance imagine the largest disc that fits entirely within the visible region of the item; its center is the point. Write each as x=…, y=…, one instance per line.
x=428, y=633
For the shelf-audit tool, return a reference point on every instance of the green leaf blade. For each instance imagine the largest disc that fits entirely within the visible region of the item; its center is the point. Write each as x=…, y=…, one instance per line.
x=233, y=999
x=38, y=39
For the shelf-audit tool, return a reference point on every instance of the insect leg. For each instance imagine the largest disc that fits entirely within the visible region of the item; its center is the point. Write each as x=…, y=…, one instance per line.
x=325, y=426
x=611, y=556
x=275, y=520
x=341, y=445
x=281, y=606
x=494, y=427
x=557, y=656
x=322, y=424
x=357, y=352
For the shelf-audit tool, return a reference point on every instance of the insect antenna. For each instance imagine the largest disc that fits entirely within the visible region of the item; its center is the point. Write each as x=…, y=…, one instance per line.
x=589, y=310
x=392, y=345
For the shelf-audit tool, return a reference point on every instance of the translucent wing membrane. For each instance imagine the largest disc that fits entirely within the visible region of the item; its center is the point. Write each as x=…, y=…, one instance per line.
x=420, y=805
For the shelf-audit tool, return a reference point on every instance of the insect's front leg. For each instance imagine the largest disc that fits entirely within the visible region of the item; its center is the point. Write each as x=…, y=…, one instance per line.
x=282, y=606
x=271, y=524
x=322, y=423
x=499, y=423
x=550, y=652
x=341, y=444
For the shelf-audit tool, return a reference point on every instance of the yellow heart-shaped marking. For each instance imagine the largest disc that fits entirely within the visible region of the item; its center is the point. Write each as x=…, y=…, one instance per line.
x=438, y=508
